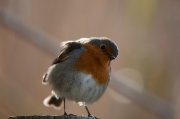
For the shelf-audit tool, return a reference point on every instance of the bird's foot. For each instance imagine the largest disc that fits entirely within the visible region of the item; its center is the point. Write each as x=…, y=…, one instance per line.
x=65, y=114
x=94, y=117
x=72, y=115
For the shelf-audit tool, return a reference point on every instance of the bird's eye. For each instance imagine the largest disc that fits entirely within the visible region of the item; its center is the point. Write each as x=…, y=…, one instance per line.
x=102, y=46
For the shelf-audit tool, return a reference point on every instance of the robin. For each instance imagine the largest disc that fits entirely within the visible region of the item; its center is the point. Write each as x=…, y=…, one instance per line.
x=81, y=72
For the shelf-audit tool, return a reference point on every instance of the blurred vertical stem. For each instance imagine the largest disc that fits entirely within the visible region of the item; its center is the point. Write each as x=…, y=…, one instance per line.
x=139, y=21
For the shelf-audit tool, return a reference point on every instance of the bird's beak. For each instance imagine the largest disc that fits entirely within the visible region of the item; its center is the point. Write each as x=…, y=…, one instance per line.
x=111, y=57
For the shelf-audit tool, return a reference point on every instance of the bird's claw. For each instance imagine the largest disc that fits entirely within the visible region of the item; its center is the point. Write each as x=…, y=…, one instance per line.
x=72, y=115
x=94, y=117
x=65, y=114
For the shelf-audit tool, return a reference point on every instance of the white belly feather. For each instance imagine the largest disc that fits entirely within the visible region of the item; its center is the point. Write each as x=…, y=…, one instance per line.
x=84, y=90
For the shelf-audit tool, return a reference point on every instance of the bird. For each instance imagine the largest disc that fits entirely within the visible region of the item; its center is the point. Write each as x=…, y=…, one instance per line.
x=81, y=72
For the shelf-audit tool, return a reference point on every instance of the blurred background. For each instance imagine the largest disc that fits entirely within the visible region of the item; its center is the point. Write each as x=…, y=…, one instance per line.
x=145, y=80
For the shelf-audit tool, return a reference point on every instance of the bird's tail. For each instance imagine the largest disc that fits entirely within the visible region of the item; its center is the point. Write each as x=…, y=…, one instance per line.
x=52, y=101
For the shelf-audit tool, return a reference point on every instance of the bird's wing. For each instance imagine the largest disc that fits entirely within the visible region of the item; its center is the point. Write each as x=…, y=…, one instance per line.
x=67, y=47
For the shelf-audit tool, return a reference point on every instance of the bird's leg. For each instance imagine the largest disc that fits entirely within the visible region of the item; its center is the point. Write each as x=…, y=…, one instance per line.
x=89, y=114
x=65, y=107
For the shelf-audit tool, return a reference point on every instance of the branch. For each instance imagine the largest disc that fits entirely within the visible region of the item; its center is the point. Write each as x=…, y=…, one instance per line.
x=51, y=117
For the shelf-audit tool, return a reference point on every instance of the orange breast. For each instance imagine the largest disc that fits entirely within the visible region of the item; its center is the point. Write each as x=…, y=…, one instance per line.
x=93, y=61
